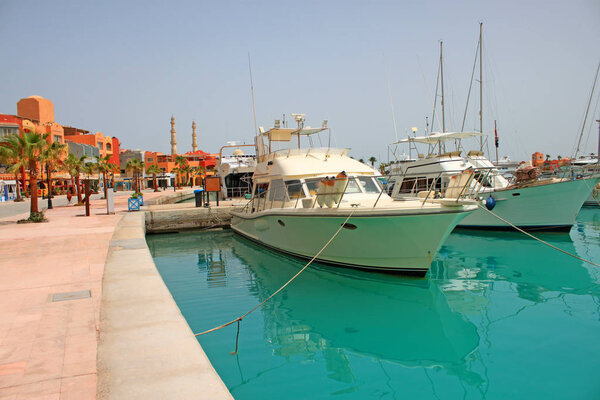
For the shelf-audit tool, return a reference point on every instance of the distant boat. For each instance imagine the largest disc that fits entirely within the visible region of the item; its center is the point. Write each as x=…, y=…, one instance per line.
x=301, y=196
x=526, y=202
x=531, y=203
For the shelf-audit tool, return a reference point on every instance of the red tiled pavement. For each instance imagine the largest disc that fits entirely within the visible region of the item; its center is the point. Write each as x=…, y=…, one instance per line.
x=48, y=349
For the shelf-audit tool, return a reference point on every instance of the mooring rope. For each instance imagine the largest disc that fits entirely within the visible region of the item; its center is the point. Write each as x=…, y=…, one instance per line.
x=536, y=238
x=240, y=318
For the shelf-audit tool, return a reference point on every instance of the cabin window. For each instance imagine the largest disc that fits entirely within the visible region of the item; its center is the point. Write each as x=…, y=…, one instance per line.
x=278, y=191
x=366, y=182
x=415, y=184
x=261, y=189
x=294, y=189
x=312, y=185
x=483, y=179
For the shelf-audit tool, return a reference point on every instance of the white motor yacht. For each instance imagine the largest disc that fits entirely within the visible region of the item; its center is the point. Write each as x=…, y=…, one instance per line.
x=533, y=204
x=302, y=195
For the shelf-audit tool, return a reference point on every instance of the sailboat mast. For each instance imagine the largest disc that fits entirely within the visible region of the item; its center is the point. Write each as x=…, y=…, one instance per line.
x=442, y=81
x=481, y=87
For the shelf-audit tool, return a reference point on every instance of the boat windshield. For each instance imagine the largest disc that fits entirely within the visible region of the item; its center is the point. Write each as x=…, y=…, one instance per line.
x=312, y=185
x=366, y=182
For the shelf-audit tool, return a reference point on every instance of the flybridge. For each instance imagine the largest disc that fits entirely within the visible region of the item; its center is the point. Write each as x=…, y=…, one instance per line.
x=281, y=138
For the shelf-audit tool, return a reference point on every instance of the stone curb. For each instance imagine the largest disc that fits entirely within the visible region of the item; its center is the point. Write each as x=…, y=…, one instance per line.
x=146, y=349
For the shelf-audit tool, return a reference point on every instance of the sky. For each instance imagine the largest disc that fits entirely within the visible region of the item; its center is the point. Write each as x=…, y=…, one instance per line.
x=124, y=67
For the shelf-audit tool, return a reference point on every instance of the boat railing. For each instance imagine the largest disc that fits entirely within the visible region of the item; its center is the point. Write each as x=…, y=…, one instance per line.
x=331, y=192
x=448, y=184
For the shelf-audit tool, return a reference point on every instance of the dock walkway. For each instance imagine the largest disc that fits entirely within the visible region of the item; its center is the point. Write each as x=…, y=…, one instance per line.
x=51, y=292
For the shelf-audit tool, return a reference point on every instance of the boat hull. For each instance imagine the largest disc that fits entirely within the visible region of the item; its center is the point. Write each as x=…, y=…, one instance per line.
x=542, y=207
x=399, y=243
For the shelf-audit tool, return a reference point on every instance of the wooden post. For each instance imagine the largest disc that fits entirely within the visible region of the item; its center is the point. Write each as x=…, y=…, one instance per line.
x=87, y=197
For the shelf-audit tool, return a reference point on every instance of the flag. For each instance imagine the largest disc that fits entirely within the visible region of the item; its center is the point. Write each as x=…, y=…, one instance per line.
x=496, y=136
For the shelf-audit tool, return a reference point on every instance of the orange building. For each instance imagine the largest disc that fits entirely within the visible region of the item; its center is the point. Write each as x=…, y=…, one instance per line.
x=196, y=158
x=36, y=114
x=537, y=160
x=106, y=144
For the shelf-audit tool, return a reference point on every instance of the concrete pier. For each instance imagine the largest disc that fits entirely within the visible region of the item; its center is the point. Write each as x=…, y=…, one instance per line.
x=146, y=348
x=84, y=312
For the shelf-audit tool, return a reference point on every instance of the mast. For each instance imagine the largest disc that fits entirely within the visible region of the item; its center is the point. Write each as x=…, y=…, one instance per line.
x=442, y=82
x=598, y=153
x=252, y=90
x=481, y=90
x=442, y=78
x=587, y=111
x=496, y=140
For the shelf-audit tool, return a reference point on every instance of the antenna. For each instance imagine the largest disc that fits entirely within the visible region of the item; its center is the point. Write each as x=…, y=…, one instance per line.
x=252, y=90
x=387, y=77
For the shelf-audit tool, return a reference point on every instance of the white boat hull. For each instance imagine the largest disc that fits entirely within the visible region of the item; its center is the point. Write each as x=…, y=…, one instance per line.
x=390, y=242
x=544, y=207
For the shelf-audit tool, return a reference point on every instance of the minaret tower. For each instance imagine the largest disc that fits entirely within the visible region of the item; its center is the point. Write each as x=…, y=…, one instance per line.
x=194, y=138
x=173, y=140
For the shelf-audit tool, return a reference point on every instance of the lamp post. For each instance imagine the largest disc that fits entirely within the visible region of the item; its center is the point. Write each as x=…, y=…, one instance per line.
x=49, y=190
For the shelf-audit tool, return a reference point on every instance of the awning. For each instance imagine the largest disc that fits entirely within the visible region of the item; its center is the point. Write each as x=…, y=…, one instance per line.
x=440, y=137
x=285, y=134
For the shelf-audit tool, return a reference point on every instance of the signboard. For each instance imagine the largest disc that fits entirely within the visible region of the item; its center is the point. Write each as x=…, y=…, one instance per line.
x=212, y=184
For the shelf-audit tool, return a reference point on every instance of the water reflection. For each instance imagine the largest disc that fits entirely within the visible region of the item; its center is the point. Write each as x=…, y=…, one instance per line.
x=474, y=261
x=464, y=330
x=332, y=313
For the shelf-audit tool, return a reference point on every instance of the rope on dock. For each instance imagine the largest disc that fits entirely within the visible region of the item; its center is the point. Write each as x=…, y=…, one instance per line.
x=240, y=318
x=536, y=238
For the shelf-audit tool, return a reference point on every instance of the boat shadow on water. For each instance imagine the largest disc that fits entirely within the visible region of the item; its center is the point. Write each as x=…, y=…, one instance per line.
x=341, y=312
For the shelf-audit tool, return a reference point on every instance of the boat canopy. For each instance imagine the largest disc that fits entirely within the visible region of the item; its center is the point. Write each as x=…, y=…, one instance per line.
x=440, y=137
x=285, y=134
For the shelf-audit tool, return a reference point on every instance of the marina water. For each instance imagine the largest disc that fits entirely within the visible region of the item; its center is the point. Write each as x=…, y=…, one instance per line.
x=498, y=316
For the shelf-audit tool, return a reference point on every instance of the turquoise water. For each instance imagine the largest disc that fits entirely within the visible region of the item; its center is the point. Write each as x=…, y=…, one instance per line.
x=498, y=316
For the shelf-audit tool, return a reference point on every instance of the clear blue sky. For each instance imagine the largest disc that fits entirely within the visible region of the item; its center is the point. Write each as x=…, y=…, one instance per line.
x=123, y=67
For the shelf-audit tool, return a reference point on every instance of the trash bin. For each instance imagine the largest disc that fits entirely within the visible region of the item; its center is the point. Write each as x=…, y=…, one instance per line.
x=199, y=194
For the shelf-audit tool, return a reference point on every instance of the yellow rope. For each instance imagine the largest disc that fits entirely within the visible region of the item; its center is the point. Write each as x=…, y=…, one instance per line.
x=238, y=319
x=538, y=239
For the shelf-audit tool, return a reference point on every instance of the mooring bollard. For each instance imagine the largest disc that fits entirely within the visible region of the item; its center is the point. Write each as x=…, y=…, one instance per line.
x=198, y=194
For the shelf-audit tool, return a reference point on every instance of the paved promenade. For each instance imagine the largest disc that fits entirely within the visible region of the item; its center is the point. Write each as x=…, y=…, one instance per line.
x=48, y=348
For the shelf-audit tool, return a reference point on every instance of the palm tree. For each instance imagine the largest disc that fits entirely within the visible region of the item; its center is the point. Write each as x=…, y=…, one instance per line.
x=181, y=162
x=104, y=167
x=187, y=170
x=10, y=153
x=154, y=169
x=135, y=165
x=89, y=168
x=74, y=166
x=360, y=160
x=372, y=160
x=30, y=147
x=52, y=157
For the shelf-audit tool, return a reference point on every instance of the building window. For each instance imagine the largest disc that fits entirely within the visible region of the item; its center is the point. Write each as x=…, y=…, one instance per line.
x=150, y=159
x=108, y=147
x=9, y=130
x=100, y=145
x=57, y=139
